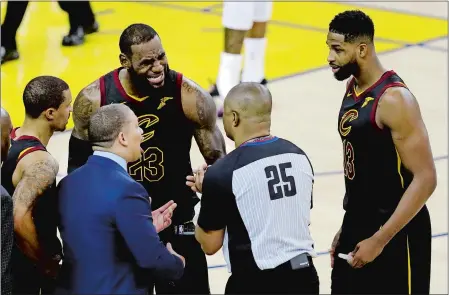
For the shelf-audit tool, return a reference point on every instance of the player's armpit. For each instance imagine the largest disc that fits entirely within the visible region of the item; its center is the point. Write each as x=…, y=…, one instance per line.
x=39, y=173
x=86, y=103
x=200, y=108
x=399, y=111
x=211, y=241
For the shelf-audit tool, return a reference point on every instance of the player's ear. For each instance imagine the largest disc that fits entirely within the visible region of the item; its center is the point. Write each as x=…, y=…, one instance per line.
x=50, y=114
x=362, y=50
x=124, y=61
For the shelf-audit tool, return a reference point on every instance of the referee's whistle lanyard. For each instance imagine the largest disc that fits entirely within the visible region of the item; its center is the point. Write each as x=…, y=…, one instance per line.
x=258, y=139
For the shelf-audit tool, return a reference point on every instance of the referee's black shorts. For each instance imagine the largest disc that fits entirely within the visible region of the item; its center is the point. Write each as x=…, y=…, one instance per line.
x=403, y=267
x=280, y=280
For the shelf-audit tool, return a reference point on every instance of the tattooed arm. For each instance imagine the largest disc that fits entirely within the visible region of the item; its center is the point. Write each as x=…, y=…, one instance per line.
x=39, y=171
x=200, y=108
x=86, y=103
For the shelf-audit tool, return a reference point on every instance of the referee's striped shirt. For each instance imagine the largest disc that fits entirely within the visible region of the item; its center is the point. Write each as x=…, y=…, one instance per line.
x=262, y=194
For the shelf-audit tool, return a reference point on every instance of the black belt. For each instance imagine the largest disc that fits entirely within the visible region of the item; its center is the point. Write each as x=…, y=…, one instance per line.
x=185, y=229
x=303, y=260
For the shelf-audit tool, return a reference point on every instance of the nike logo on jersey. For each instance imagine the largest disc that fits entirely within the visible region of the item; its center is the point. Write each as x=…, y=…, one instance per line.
x=163, y=102
x=367, y=100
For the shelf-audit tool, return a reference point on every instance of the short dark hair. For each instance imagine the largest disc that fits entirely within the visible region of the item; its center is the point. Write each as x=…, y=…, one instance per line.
x=135, y=34
x=353, y=24
x=106, y=123
x=42, y=93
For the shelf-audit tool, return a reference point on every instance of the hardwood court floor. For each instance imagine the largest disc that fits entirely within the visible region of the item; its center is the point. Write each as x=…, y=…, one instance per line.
x=411, y=39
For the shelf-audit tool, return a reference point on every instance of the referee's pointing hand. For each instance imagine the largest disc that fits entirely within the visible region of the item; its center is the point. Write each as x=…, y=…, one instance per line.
x=195, y=182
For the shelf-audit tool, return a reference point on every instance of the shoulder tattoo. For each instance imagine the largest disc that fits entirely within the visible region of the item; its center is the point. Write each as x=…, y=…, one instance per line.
x=36, y=178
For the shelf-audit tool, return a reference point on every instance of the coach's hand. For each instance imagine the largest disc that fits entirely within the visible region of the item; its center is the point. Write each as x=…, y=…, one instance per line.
x=162, y=216
x=170, y=249
x=366, y=251
x=195, y=182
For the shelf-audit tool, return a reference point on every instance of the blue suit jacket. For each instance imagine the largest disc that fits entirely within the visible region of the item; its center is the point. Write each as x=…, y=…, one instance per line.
x=110, y=243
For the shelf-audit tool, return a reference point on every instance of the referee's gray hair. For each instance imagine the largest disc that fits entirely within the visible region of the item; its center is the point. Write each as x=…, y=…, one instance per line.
x=106, y=123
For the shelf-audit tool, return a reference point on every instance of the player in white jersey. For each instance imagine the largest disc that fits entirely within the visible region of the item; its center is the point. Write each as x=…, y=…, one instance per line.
x=245, y=24
x=256, y=202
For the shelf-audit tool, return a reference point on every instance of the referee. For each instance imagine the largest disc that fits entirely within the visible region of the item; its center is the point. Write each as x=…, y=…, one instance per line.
x=256, y=202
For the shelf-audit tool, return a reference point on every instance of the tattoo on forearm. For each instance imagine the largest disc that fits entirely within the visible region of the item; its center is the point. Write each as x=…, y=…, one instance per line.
x=211, y=144
x=36, y=179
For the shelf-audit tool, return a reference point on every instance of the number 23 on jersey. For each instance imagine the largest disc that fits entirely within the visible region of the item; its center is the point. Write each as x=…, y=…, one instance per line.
x=149, y=167
x=348, y=159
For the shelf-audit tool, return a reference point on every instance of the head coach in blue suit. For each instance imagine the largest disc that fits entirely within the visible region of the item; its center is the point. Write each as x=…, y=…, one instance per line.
x=110, y=236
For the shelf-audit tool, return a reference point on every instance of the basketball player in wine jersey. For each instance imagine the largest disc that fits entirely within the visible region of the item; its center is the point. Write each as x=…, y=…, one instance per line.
x=388, y=167
x=171, y=109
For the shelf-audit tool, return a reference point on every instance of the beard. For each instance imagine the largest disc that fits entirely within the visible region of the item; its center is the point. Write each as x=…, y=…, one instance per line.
x=141, y=83
x=344, y=72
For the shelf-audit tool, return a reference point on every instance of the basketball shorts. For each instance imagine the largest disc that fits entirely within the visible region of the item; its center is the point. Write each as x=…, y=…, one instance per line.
x=403, y=267
x=26, y=277
x=241, y=15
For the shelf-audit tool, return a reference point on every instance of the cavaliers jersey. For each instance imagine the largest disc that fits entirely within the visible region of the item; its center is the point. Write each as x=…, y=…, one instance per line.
x=167, y=138
x=375, y=177
x=45, y=211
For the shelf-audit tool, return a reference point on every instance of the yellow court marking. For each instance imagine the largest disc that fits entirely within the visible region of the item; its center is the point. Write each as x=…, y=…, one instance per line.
x=191, y=48
x=305, y=50
x=389, y=25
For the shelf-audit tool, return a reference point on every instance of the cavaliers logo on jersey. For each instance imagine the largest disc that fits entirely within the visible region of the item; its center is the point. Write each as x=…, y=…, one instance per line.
x=349, y=116
x=146, y=122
